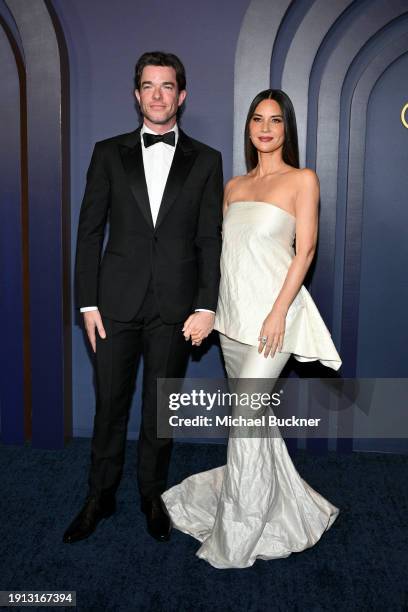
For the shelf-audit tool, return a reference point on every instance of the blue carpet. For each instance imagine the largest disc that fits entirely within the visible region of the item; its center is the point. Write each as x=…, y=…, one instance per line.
x=359, y=564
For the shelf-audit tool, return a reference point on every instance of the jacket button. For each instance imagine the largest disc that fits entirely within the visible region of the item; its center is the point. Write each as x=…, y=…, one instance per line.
x=155, y=238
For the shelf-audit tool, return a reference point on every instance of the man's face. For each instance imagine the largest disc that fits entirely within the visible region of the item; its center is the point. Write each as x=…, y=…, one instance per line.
x=158, y=96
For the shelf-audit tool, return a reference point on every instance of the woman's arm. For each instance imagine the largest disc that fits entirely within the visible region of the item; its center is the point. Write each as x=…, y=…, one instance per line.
x=307, y=203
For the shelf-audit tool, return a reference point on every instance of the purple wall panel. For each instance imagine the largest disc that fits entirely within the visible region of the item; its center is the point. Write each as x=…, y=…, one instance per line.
x=11, y=264
x=47, y=197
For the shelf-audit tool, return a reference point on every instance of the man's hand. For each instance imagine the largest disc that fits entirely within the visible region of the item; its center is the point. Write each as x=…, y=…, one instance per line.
x=93, y=321
x=198, y=326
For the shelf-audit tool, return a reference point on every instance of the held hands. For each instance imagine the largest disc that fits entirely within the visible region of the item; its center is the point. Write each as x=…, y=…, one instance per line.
x=272, y=332
x=198, y=326
x=93, y=322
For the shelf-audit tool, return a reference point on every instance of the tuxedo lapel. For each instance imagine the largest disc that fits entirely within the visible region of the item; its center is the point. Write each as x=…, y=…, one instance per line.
x=183, y=159
x=132, y=160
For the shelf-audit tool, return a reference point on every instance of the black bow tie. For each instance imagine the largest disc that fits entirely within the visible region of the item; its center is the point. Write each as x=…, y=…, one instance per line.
x=151, y=139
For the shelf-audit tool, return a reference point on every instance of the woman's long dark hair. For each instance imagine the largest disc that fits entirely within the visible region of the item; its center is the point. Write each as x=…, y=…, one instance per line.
x=290, y=151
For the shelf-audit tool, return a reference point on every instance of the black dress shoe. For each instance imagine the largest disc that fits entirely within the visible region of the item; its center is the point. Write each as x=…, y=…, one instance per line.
x=157, y=518
x=85, y=522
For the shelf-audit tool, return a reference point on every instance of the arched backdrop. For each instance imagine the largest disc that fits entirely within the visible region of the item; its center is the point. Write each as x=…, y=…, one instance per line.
x=343, y=63
x=35, y=269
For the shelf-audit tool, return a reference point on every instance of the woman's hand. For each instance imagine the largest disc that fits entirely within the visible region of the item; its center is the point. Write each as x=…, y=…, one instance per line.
x=272, y=332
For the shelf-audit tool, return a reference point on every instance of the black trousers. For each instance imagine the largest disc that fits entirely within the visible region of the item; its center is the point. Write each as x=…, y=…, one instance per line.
x=165, y=355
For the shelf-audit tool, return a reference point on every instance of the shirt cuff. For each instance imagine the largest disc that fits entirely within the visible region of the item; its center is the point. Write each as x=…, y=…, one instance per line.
x=88, y=308
x=204, y=310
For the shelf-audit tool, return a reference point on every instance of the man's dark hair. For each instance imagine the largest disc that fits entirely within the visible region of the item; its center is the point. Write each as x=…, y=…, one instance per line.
x=160, y=58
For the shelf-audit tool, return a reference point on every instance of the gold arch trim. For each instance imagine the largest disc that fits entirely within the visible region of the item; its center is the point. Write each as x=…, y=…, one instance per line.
x=403, y=113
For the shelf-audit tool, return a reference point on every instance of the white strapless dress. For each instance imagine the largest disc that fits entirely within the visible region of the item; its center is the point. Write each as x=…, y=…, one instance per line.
x=257, y=251
x=257, y=506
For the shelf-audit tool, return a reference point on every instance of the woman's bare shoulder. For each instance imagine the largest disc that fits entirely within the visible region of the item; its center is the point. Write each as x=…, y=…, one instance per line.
x=307, y=178
x=232, y=185
x=235, y=181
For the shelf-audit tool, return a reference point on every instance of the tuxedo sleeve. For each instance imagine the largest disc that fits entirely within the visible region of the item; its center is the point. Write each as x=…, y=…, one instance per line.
x=208, y=239
x=91, y=230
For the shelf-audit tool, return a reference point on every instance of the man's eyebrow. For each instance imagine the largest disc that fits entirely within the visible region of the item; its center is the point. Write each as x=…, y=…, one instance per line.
x=162, y=83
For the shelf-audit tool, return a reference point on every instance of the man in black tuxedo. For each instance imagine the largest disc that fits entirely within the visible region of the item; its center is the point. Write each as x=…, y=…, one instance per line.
x=157, y=283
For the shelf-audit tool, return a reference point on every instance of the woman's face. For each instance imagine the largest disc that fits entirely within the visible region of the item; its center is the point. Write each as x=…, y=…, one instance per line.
x=266, y=127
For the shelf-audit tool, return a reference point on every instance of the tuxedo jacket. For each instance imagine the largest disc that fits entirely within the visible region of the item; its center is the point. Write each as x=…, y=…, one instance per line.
x=180, y=254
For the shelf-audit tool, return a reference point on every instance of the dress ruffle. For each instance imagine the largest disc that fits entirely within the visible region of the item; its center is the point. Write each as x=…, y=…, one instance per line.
x=263, y=510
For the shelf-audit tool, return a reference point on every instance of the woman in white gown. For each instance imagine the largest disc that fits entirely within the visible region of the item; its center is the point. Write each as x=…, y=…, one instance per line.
x=257, y=506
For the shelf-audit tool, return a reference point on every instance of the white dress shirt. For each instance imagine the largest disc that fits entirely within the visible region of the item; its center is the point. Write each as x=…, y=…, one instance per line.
x=157, y=160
